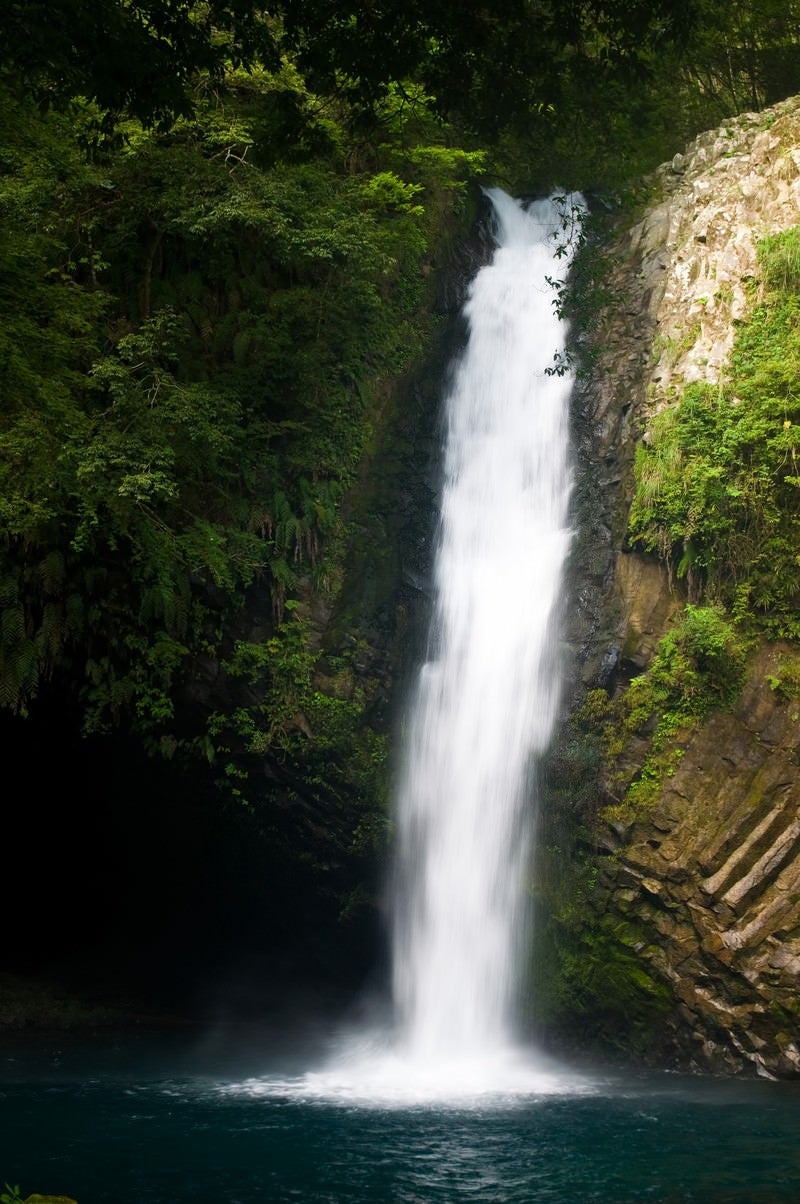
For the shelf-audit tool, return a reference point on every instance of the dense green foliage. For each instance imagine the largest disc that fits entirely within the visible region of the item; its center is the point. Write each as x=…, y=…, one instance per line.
x=718, y=487
x=491, y=65
x=197, y=330
x=188, y=348
x=138, y=58
x=593, y=91
x=745, y=54
x=605, y=126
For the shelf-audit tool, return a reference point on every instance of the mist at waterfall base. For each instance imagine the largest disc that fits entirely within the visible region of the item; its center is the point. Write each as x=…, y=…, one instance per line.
x=440, y=1101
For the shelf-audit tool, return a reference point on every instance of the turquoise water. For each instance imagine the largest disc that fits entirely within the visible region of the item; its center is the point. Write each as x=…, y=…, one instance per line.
x=130, y=1119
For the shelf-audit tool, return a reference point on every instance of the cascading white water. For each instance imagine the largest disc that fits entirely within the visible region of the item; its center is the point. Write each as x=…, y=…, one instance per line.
x=486, y=700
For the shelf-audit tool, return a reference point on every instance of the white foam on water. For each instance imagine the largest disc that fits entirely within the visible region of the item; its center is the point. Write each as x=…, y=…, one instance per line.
x=368, y=1073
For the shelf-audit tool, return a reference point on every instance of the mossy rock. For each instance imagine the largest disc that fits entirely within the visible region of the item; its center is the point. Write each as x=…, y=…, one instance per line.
x=38, y=1199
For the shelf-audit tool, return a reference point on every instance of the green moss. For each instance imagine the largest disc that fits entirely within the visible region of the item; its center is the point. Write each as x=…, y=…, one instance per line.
x=697, y=666
x=592, y=980
x=786, y=1012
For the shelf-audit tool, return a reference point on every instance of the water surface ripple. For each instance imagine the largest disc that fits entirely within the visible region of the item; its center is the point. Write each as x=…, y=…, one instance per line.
x=92, y=1128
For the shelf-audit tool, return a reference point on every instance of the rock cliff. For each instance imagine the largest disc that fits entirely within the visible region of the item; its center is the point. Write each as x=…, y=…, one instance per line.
x=703, y=885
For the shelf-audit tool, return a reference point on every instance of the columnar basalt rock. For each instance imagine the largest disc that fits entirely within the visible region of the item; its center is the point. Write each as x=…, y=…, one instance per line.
x=710, y=874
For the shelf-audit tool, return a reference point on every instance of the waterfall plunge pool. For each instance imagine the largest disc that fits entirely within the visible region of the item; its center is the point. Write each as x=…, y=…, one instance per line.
x=233, y=1118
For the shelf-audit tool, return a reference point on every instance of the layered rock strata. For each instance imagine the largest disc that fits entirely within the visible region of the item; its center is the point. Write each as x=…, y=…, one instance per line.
x=710, y=878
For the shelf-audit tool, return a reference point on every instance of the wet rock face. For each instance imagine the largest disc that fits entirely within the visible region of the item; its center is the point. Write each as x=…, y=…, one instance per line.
x=711, y=874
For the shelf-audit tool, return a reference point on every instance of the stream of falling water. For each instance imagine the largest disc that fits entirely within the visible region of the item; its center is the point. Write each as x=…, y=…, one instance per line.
x=486, y=699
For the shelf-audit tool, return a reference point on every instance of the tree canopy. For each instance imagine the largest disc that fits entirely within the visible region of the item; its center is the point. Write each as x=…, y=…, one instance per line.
x=487, y=63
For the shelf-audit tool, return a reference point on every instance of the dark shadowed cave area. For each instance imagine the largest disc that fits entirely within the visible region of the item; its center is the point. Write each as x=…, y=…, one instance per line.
x=130, y=886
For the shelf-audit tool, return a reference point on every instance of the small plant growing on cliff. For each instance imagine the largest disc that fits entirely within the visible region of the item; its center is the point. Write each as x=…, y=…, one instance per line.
x=786, y=678
x=780, y=260
x=698, y=665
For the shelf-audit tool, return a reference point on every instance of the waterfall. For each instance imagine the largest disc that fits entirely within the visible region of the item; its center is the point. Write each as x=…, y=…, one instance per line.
x=486, y=699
